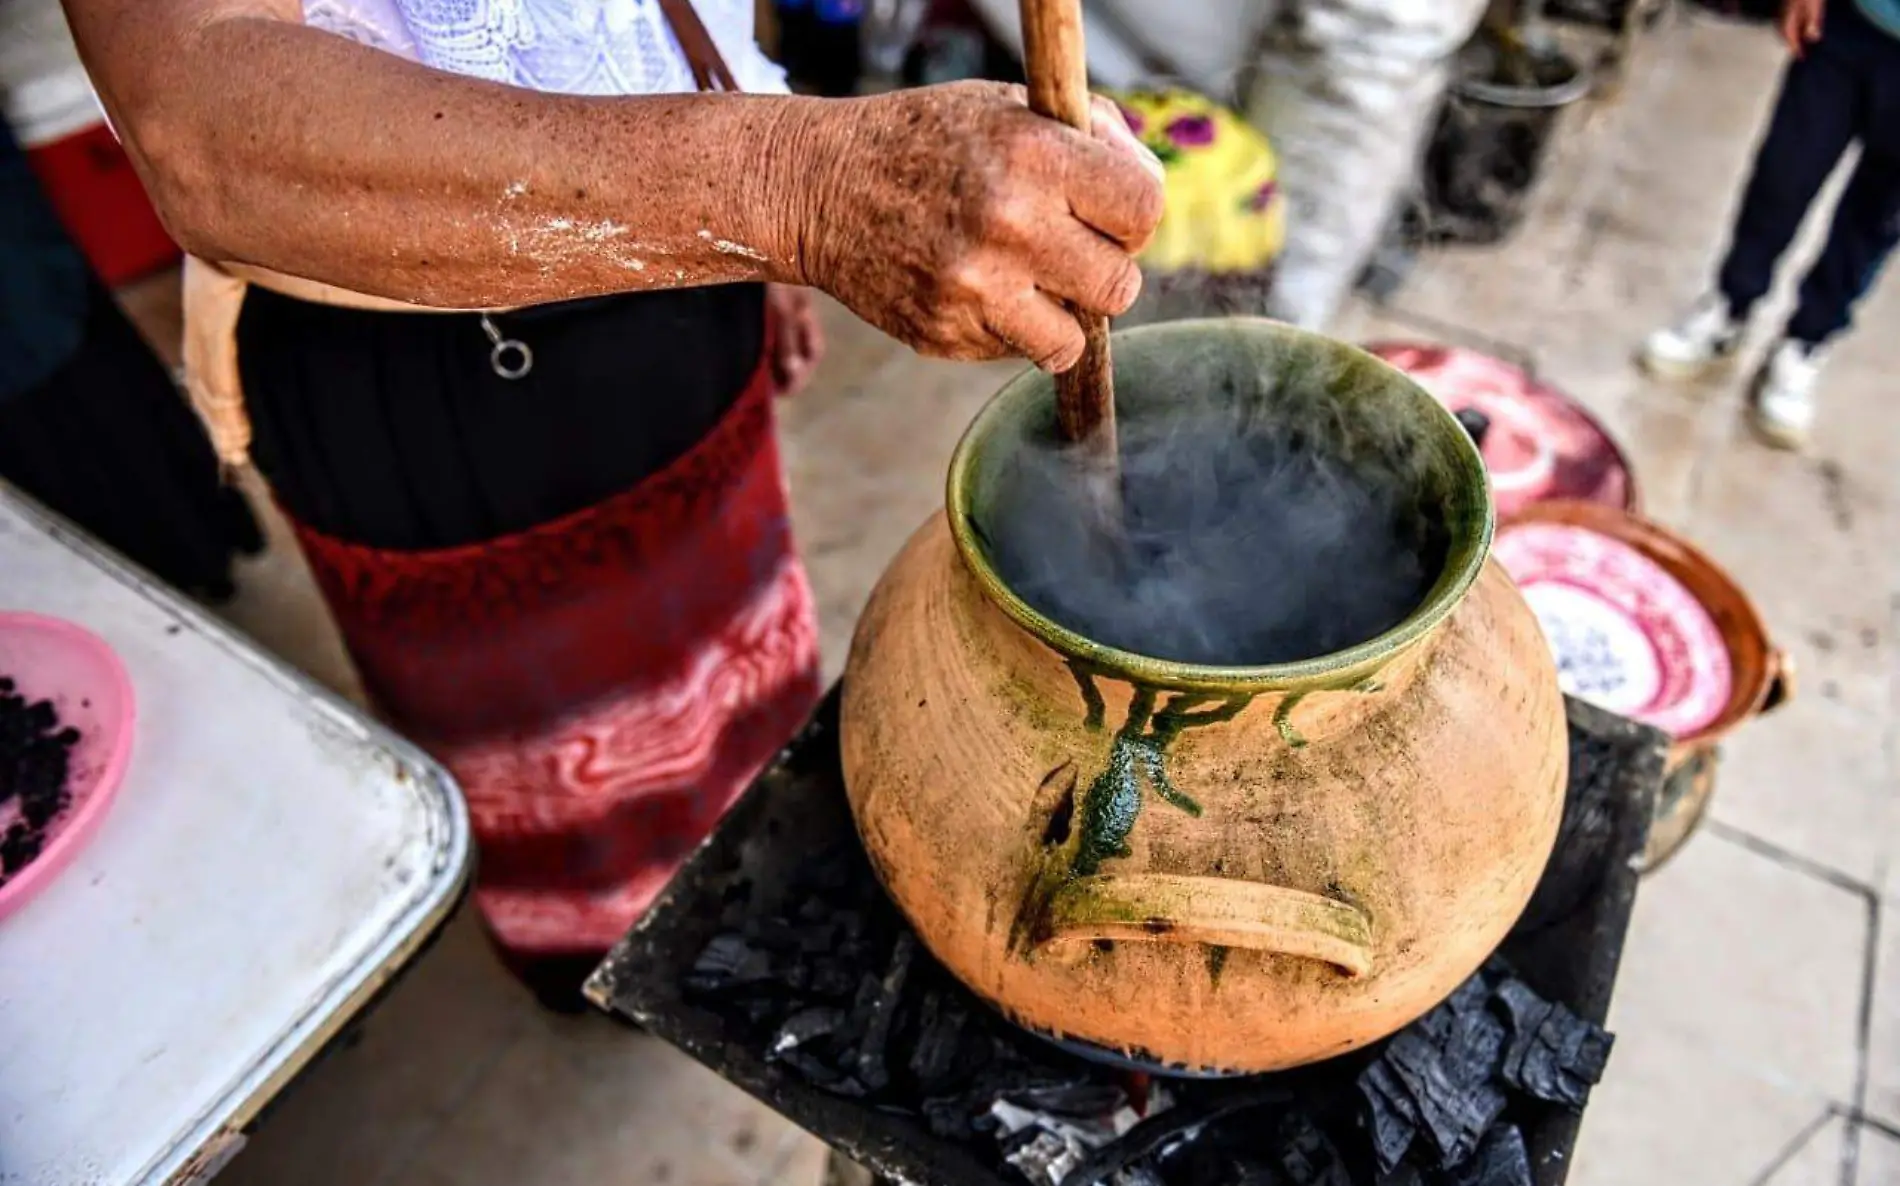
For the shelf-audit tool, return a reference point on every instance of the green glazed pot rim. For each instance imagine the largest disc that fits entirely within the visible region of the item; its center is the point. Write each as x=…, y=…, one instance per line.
x=1464, y=558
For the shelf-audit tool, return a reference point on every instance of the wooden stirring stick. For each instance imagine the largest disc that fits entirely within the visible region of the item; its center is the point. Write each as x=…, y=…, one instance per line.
x=1059, y=88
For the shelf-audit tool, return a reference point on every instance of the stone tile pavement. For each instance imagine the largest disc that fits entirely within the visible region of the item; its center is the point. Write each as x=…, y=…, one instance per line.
x=1759, y=1011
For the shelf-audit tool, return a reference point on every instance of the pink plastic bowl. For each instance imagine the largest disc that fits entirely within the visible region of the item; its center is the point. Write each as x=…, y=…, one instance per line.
x=49, y=659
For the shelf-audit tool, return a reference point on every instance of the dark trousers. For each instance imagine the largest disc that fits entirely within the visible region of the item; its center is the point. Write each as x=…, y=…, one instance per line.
x=1846, y=89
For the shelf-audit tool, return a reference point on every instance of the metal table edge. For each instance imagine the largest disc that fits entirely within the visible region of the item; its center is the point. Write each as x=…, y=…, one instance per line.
x=429, y=908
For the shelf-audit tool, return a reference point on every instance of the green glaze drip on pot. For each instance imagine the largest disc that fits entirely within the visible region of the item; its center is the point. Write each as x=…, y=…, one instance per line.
x=1283, y=721
x=1085, y=674
x=1113, y=801
x=1216, y=964
x=1108, y=810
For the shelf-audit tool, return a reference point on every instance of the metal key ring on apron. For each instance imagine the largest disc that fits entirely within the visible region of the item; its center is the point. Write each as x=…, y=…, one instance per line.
x=511, y=358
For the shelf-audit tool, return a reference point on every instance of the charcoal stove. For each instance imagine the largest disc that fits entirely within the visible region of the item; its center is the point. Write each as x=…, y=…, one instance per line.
x=784, y=873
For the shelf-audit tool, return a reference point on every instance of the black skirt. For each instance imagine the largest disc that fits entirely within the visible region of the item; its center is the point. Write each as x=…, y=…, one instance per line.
x=393, y=430
x=109, y=442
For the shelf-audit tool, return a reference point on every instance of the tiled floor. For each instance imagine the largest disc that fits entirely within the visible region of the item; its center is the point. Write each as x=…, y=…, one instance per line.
x=1759, y=1012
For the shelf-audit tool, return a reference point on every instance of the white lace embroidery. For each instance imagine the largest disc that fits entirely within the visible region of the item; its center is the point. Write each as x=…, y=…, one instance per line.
x=574, y=47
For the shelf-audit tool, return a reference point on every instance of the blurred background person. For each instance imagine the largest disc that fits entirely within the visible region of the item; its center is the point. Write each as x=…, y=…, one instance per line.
x=1841, y=89
x=91, y=423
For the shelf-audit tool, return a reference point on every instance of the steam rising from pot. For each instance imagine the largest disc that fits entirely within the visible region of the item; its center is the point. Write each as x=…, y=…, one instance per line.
x=1245, y=539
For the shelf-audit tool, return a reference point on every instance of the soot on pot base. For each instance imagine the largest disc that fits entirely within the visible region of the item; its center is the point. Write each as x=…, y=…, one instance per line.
x=1237, y=545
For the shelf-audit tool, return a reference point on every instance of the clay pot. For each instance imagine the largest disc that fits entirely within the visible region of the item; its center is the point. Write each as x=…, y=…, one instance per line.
x=1208, y=870
x=1762, y=674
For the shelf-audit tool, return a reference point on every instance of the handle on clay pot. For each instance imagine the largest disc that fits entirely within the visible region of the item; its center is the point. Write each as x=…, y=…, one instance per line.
x=1781, y=680
x=1173, y=908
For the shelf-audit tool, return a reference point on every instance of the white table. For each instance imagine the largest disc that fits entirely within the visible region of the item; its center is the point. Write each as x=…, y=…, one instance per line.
x=273, y=858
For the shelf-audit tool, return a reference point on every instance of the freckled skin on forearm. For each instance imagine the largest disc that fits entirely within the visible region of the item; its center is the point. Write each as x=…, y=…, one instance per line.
x=950, y=217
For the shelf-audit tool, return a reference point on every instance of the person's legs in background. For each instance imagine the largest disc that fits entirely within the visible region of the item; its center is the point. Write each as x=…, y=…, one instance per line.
x=1846, y=88
x=1813, y=123
x=1866, y=227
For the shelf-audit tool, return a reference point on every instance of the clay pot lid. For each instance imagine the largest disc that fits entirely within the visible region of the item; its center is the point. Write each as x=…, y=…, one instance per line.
x=1541, y=444
x=1641, y=622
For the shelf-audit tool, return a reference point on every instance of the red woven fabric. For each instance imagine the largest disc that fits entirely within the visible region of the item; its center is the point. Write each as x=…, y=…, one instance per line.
x=602, y=686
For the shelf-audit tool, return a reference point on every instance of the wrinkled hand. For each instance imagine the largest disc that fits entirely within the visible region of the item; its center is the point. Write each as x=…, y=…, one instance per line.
x=957, y=220
x=798, y=341
x=1801, y=24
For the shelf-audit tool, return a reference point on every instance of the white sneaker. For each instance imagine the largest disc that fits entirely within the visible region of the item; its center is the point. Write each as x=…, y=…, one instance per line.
x=1781, y=402
x=1705, y=338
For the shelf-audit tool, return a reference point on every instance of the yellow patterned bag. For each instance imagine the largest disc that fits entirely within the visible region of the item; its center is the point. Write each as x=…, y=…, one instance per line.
x=1225, y=212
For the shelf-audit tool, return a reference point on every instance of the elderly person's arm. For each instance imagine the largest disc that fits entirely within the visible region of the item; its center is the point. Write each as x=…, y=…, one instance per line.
x=950, y=217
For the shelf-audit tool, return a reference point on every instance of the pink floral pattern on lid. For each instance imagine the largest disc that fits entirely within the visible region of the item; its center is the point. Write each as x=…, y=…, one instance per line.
x=1626, y=634
x=1542, y=444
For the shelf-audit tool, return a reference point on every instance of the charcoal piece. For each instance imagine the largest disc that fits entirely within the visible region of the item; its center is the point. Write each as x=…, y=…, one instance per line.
x=729, y=962
x=1137, y=1175
x=951, y=1117
x=1476, y=1046
x=832, y=979
x=1148, y=1137
x=1083, y=1098
x=1554, y=1055
x=1405, y=1174
x=815, y=909
x=774, y=934
x=933, y=1057
x=813, y=1070
x=1473, y=995
x=818, y=938
x=1450, y=1086
x=759, y=1010
x=849, y=1088
x=804, y=1026
x=1391, y=1117
x=1500, y=1161
x=1307, y=1156
x=1007, y=1074
x=1202, y=1157
x=1585, y=837
x=873, y=1066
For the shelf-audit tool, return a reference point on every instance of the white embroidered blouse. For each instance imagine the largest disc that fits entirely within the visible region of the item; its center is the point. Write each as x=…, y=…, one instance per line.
x=574, y=47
